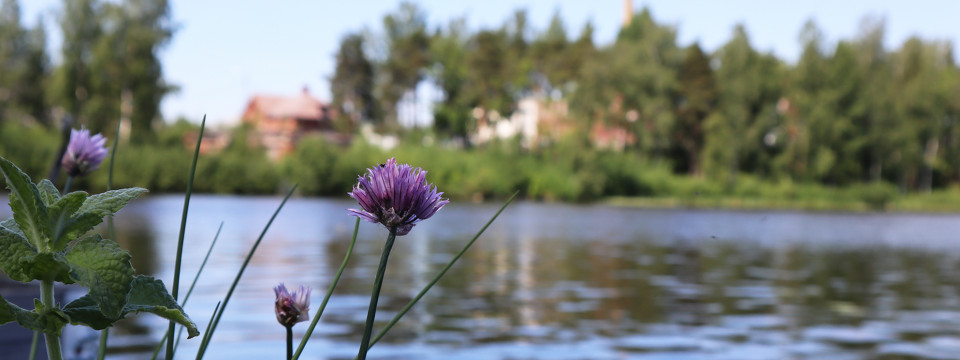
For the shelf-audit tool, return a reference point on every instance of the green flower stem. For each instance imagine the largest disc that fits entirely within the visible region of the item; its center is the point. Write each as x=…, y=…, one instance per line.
x=53, y=340
x=66, y=187
x=333, y=285
x=377, y=284
x=103, y=343
x=215, y=320
x=289, y=342
x=33, y=345
x=175, y=288
x=102, y=352
x=423, y=292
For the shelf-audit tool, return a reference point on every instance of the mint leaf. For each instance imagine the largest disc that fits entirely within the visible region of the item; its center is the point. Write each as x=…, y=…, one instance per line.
x=10, y=224
x=11, y=312
x=148, y=294
x=48, y=192
x=93, y=210
x=47, y=265
x=103, y=267
x=85, y=311
x=61, y=217
x=28, y=209
x=14, y=247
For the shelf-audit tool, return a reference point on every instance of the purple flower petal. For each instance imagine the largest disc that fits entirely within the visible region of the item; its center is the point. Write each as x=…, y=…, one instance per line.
x=396, y=195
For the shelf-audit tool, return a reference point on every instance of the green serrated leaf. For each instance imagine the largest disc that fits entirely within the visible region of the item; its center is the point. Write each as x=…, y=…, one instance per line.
x=62, y=217
x=148, y=294
x=93, y=210
x=14, y=247
x=11, y=312
x=109, y=202
x=48, y=192
x=9, y=223
x=103, y=267
x=28, y=209
x=46, y=265
x=85, y=311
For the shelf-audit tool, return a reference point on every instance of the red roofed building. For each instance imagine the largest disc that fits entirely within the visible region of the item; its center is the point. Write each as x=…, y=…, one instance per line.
x=279, y=122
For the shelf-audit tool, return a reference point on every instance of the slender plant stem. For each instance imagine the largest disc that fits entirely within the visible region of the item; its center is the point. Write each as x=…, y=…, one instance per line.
x=423, y=292
x=33, y=345
x=333, y=285
x=66, y=186
x=183, y=303
x=202, y=265
x=105, y=333
x=215, y=320
x=183, y=226
x=113, y=159
x=33, y=348
x=377, y=284
x=52, y=340
x=289, y=342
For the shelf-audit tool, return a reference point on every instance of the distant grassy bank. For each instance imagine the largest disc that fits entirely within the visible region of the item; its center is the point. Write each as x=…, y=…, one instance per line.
x=937, y=202
x=563, y=172
x=804, y=197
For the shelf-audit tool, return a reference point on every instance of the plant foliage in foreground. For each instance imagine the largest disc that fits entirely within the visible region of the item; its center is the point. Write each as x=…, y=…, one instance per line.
x=46, y=240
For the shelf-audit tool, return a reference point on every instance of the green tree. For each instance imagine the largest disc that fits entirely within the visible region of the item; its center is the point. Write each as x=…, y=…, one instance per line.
x=489, y=81
x=408, y=55
x=923, y=92
x=448, y=49
x=24, y=66
x=697, y=100
x=110, y=66
x=633, y=84
x=549, y=53
x=878, y=122
x=750, y=86
x=81, y=29
x=352, y=84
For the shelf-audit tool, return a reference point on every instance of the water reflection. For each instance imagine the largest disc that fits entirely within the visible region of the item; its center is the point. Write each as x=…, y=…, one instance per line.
x=575, y=282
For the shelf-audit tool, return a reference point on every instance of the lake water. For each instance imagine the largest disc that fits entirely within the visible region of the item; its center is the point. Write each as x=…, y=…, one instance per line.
x=552, y=281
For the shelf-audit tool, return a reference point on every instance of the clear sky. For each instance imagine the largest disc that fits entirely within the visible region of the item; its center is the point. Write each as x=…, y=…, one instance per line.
x=227, y=50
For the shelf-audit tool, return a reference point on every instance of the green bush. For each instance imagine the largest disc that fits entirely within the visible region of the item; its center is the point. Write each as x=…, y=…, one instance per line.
x=876, y=194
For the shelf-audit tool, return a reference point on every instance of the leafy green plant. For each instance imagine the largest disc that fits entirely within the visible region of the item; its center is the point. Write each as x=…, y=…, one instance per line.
x=46, y=240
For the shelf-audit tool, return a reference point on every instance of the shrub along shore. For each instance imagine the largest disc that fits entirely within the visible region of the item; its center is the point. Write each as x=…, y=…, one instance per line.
x=565, y=172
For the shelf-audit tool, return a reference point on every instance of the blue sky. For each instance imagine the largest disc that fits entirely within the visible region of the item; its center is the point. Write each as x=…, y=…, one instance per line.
x=226, y=51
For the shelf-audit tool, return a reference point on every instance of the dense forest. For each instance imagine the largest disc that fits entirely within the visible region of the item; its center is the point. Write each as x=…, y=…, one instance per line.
x=732, y=121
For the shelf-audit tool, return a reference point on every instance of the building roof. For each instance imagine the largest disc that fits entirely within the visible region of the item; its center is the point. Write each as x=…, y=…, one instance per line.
x=303, y=106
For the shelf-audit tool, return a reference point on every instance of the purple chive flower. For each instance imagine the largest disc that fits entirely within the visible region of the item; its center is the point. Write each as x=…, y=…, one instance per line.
x=292, y=308
x=84, y=153
x=396, y=195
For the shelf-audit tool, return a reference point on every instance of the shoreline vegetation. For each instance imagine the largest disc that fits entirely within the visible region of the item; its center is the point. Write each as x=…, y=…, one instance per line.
x=566, y=172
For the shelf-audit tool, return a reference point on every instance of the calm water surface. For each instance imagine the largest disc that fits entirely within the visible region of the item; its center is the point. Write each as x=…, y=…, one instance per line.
x=550, y=281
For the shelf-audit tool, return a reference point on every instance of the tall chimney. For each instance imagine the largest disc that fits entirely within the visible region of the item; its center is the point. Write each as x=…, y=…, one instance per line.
x=627, y=12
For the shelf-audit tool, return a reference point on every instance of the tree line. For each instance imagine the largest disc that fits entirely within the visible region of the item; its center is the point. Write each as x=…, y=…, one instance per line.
x=108, y=66
x=843, y=113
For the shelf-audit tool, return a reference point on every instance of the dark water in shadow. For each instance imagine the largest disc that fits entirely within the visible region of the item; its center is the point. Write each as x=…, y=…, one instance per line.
x=552, y=281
